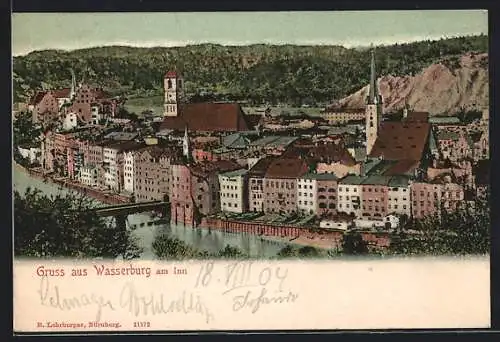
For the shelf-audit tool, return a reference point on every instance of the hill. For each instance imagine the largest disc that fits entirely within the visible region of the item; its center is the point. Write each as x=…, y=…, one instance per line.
x=450, y=86
x=270, y=74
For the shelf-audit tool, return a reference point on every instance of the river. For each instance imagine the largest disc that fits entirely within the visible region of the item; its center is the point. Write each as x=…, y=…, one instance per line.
x=198, y=238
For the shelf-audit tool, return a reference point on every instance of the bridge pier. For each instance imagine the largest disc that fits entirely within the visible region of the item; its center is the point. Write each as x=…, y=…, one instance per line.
x=121, y=221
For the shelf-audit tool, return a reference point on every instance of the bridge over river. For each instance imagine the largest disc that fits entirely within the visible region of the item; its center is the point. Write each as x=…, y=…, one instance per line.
x=121, y=211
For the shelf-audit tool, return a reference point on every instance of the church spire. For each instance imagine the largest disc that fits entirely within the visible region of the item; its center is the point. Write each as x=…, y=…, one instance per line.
x=73, y=85
x=373, y=95
x=185, y=144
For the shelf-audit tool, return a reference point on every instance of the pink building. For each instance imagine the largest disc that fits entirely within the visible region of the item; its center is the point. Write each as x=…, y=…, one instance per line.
x=195, y=190
x=280, y=185
x=426, y=199
x=256, y=184
x=181, y=199
x=327, y=194
x=375, y=197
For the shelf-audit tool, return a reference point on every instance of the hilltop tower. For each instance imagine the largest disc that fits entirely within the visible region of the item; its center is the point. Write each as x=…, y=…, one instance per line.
x=185, y=144
x=173, y=87
x=373, y=109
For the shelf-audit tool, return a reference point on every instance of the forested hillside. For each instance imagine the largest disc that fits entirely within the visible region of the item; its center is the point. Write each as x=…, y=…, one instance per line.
x=258, y=73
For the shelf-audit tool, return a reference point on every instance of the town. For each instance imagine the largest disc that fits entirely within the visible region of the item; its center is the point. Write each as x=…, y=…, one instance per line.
x=221, y=166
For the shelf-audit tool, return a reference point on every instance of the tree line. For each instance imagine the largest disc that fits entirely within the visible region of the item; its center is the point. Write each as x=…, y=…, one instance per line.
x=256, y=73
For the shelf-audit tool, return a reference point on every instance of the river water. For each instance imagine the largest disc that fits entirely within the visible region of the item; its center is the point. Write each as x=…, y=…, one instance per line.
x=200, y=239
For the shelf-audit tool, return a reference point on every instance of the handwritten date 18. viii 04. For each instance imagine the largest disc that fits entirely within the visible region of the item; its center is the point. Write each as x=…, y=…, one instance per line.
x=240, y=274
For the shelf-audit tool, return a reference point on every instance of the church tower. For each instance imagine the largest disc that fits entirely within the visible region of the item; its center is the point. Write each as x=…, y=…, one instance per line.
x=173, y=87
x=185, y=144
x=373, y=109
x=72, y=93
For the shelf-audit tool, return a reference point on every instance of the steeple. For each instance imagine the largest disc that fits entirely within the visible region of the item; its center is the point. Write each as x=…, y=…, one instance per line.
x=185, y=144
x=373, y=97
x=73, y=85
x=373, y=109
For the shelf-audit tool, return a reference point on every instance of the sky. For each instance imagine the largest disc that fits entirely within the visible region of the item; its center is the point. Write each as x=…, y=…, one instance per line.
x=69, y=31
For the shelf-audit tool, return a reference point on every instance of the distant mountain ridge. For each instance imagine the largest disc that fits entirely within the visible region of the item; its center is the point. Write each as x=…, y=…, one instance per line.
x=443, y=88
x=259, y=74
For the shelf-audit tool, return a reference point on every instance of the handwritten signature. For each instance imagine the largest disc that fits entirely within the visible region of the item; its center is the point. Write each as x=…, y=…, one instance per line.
x=129, y=299
x=248, y=300
x=154, y=304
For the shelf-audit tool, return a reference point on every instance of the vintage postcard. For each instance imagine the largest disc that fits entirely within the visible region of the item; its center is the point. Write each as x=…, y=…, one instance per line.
x=250, y=171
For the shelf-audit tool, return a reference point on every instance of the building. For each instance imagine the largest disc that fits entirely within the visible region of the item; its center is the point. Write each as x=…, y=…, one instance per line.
x=113, y=162
x=327, y=194
x=280, y=185
x=44, y=107
x=199, y=117
x=349, y=195
x=406, y=143
x=89, y=175
x=174, y=92
x=399, y=197
x=32, y=154
x=181, y=196
x=343, y=116
x=375, y=197
x=426, y=198
x=205, y=184
x=152, y=173
x=255, y=176
x=373, y=110
x=307, y=194
x=91, y=104
x=454, y=145
x=233, y=191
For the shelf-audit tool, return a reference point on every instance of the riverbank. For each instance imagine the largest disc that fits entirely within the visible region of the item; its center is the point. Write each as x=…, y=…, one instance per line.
x=101, y=196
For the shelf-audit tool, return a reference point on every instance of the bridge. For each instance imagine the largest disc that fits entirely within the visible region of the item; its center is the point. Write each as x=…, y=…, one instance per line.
x=121, y=211
x=132, y=208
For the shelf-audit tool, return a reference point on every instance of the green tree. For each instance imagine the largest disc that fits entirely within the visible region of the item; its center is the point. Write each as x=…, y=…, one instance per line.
x=353, y=243
x=24, y=131
x=66, y=226
x=287, y=252
x=170, y=248
x=230, y=252
x=308, y=252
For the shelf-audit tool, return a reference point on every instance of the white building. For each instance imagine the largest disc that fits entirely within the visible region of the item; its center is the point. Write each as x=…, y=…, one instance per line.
x=70, y=121
x=350, y=195
x=307, y=194
x=233, y=191
x=335, y=224
x=89, y=175
x=33, y=154
x=128, y=171
x=110, y=160
x=399, y=201
x=388, y=222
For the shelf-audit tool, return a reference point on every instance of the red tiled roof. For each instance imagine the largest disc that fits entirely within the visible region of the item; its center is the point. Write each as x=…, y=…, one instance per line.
x=401, y=141
x=402, y=167
x=204, y=168
x=287, y=168
x=329, y=152
x=61, y=93
x=37, y=98
x=171, y=74
x=208, y=117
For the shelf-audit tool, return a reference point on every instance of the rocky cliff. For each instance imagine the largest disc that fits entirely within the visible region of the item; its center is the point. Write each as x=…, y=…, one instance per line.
x=447, y=87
